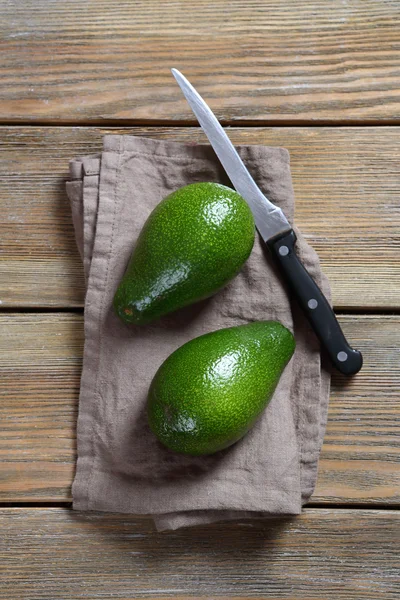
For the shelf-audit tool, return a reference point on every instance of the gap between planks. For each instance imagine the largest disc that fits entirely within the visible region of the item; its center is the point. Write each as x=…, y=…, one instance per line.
x=121, y=123
x=67, y=504
x=342, y=311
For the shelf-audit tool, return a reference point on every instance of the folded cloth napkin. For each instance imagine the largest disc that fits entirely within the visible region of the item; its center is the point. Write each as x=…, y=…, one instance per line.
x=121, y=466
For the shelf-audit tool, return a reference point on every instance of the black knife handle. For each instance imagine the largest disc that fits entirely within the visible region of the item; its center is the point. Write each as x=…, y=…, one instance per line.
x=315, y=305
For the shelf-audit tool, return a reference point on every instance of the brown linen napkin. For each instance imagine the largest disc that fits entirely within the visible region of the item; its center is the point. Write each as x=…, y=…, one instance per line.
x=121, y=466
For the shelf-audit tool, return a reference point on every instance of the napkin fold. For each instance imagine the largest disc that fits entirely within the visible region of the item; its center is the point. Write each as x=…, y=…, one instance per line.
x=121, y=467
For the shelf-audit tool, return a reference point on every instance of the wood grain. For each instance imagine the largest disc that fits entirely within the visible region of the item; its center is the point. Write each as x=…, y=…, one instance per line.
x=256, y=63
x=40, y=363
x=342, y=554
x=296, y=61
x=345, y=179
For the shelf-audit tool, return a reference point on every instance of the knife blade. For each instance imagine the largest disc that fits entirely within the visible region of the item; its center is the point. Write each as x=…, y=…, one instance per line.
x=277, y=234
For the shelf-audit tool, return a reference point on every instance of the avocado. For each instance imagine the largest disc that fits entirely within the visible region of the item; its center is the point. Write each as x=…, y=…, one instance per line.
x=192, y=244
x=210, y=391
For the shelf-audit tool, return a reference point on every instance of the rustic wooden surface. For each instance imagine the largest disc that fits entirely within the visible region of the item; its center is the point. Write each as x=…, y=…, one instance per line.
x=40, y=363
x=321, y=79
x=303, y=60
x=346, y=187
x=341, y=554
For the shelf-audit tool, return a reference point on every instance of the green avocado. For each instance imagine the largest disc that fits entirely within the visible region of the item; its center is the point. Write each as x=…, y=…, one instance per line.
x=210, y=392
x=192, y=244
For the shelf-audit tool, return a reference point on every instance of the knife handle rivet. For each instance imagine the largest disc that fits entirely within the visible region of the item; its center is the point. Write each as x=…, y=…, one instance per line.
x=283, y=250
x=312, y=303
x=342, y=356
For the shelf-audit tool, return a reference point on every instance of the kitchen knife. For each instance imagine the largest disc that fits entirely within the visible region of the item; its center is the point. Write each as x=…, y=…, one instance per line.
x=278, y=235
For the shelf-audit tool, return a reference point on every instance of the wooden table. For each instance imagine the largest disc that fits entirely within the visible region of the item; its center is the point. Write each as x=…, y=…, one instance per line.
x=320, y=78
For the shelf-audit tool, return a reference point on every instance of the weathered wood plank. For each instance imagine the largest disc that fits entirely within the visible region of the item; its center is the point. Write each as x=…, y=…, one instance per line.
x=55, y=553
x=40, y=362
x=345, y=179
x=277, y=61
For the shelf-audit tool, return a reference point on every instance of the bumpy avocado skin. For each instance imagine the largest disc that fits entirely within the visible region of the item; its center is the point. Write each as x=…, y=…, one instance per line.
x=211, y=391
x=192, y=244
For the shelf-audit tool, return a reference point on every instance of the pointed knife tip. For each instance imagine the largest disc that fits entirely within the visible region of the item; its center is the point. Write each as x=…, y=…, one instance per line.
x=180, y=78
